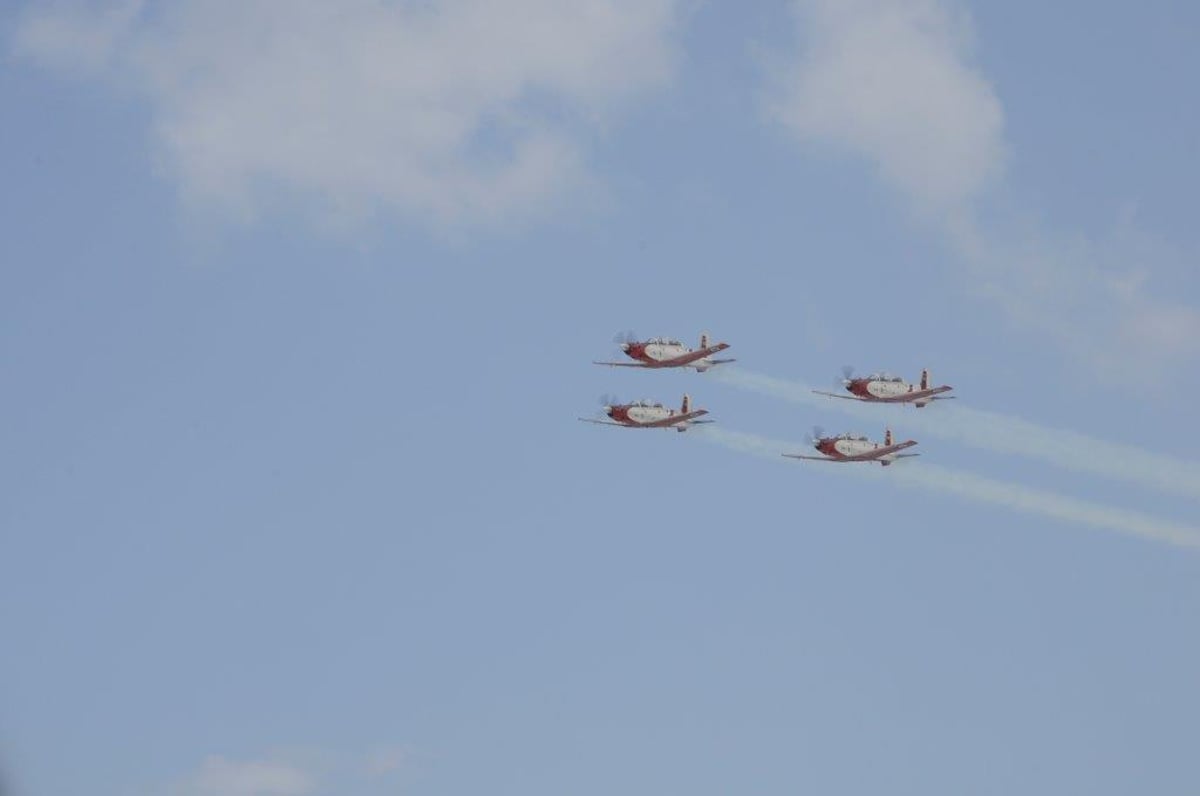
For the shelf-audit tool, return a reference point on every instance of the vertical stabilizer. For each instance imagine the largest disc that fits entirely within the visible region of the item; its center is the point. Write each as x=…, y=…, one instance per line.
x=687, y=404
x=887, y=438
x=704, y=339
x=925, y=379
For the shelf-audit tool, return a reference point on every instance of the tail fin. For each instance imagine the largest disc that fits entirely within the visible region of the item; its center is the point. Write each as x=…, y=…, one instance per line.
x=887, y=438
x=925, y=379
x=687, y=404
x=704, y=339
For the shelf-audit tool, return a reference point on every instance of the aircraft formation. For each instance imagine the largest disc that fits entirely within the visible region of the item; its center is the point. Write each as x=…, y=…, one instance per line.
x=663, y=352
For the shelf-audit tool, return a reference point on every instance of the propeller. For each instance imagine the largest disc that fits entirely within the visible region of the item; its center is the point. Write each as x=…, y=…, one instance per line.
x=847, y=375
x=815, y=436
x=624, y=338
x=608, y=401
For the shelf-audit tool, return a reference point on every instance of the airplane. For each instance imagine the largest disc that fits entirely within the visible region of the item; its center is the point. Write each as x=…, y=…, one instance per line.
x=856, y=448
x=887, y=389
x=646, y=414
x=666, y=352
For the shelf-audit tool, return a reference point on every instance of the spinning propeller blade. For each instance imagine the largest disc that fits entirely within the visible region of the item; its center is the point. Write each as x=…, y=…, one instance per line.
x=609, y=400
x=626, y=337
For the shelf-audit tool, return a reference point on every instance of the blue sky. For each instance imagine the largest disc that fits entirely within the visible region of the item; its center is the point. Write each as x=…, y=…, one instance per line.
x=298, y=310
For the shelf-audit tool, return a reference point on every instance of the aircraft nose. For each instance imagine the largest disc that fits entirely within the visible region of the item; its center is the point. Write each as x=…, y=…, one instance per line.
x=625, y=347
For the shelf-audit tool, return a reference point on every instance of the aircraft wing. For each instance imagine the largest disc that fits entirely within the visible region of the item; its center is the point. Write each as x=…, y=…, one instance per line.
x=933, y=394
x=811, y=458
x=621, y=364
x=693, y=356
x=600, y=422
x=675, y=420
x=879, y=453
x=836, y=395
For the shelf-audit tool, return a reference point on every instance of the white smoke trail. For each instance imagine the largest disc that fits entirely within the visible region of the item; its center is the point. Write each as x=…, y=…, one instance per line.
x=980, y=489
x=1003, y=434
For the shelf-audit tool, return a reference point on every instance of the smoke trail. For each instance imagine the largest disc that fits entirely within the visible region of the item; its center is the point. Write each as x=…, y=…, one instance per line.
x=1003, y=434
x=980, y=489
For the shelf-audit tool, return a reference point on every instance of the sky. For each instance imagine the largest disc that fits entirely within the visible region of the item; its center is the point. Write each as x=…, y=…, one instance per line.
x=298, y=304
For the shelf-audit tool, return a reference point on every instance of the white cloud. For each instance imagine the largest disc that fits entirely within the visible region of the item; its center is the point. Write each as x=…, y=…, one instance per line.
x=82, y=37
x=891, y=81
x=221, y=777
x=307, y=772
x=1090, y=296
x=387, y=759
x=459, y=110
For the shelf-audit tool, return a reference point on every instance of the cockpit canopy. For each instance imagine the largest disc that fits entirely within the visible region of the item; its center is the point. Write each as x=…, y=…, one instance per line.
x=664, y=341
x=647, y=403
x=884, y=376
x=853, y=436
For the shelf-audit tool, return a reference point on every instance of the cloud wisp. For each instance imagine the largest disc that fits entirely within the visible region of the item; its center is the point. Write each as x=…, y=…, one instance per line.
x=1000, y=433
x=978, y=489
x=892, y=82
x=221, y=777
x=311, y=772
x=889, y=79
x=451, y=112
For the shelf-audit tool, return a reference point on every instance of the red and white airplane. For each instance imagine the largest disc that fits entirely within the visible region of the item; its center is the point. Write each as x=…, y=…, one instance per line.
x=665, y=352
x=856, y=448
x=887, y=389
x=646, y=414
